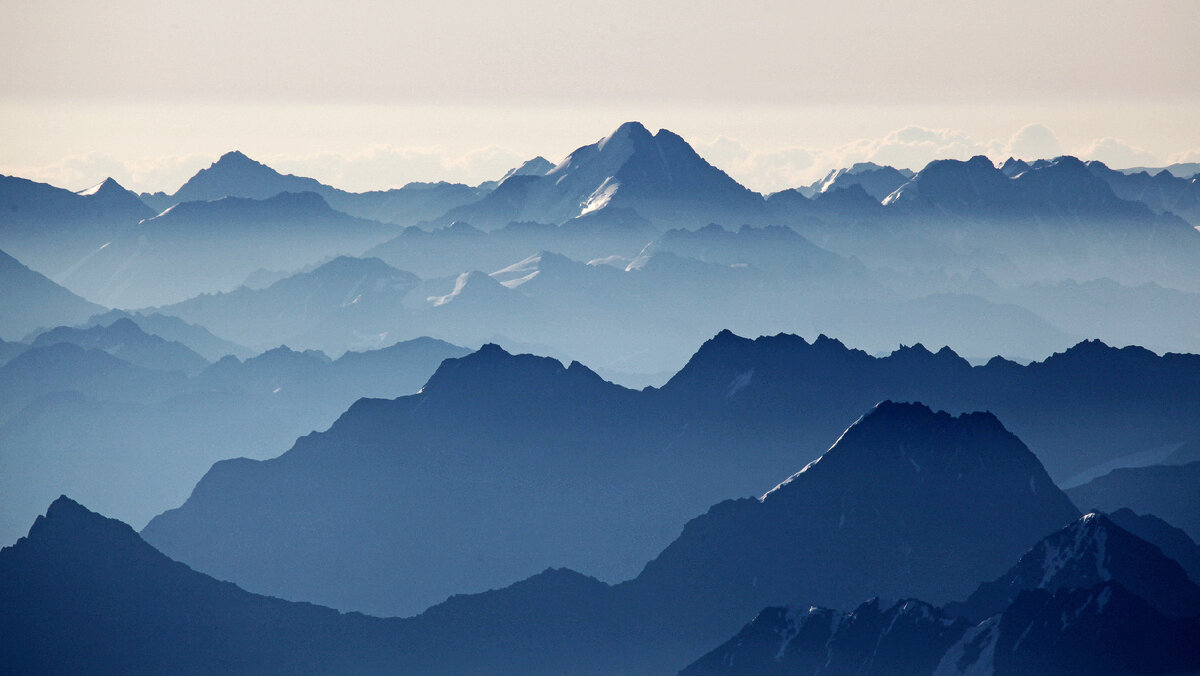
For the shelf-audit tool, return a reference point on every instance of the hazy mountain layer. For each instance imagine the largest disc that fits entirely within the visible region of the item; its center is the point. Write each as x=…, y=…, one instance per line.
x=134, y=441
x=31, y=301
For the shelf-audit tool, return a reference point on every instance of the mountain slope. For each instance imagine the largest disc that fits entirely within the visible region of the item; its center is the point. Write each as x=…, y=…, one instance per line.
x=1167, y=491
x=657, y=175
x=1104, y=629
x=197, y=338
x=197, y=247
x=1172, y=541
x=1087, y=599
x=134, y=442
x=52, y=229
x=907, y=503
x=125, y=340
x=31, y=301
x=69, y=587
x=909, y=637
x=235, y=175
x=1086, y=553
x=344, y=302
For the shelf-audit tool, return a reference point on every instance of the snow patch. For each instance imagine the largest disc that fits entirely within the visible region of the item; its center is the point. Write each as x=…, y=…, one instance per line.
x=600, y=197
x=985, y=635
x=459, y=285
x=92, y=190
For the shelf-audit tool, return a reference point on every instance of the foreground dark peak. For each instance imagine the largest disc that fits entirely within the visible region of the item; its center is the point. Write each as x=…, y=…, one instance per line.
x=1088, y=552
x=907, y=637
x=1102, y=629
x=235, y=158
x=908, y=502
x=69, y=524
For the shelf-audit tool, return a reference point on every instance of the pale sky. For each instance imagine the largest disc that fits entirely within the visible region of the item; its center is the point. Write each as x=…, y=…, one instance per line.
x=369, y=95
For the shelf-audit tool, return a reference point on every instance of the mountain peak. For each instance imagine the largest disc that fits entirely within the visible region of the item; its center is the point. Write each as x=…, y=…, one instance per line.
x=911, y=440
x=629, y=130
x=1091, y=550
x=236, y=157
x=107, y=186
x=68, y=523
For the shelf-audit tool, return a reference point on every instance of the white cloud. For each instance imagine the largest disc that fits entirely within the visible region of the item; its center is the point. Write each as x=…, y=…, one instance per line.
x=382, y=167
x=1031, y=142
x=1192, y=155
x=767, y=171
x=77, y=172
x=1118, y=154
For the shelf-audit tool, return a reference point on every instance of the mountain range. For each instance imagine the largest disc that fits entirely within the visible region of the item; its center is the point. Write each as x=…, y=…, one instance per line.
x=85, y=567
x=53, y=230
x=236, y=175
x=281, y=372
x=1091, y=598
x=134, y=439
x=196, y=247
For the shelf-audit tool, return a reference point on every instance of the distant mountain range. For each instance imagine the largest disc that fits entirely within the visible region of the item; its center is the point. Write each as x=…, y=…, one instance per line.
x=348, y=302
x=282, y=373
x=195, y=337
x=1042, y=234
x=195, y=247
x=76, y=416
x=877, y=181
x=53, y=230
x=235, y=175
x=124, y=339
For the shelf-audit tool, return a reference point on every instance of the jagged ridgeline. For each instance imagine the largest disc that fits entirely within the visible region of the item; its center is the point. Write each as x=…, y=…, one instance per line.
x=500, y=449
x=1021, y=260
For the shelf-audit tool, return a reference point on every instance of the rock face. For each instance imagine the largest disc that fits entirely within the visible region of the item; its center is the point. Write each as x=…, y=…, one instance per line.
x=1067, y=607
x=909, y=637
x=1089, y=552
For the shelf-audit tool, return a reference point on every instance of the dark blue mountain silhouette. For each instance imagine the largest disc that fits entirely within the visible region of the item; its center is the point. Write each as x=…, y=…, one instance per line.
x=31, y=301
